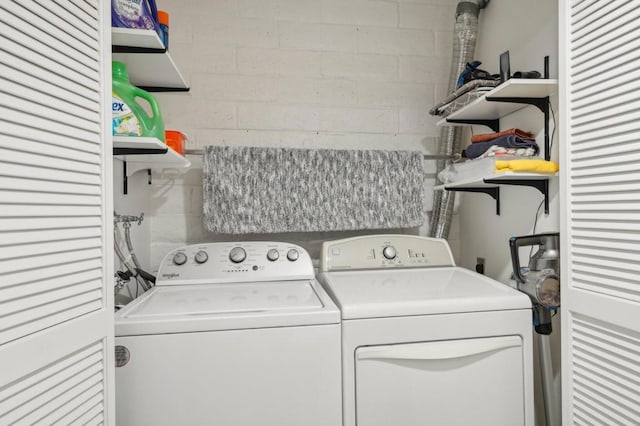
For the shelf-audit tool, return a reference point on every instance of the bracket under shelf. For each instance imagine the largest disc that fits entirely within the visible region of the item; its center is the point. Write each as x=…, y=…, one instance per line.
x=542, y=185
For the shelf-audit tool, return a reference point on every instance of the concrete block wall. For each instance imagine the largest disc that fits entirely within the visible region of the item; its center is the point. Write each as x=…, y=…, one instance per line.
x=343, y=74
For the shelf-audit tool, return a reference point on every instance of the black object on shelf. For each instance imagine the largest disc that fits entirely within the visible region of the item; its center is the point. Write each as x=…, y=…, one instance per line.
x=505, y=67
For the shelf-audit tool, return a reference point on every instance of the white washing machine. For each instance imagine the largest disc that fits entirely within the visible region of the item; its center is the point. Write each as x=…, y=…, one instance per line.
x=425, y=342
x=233, y=334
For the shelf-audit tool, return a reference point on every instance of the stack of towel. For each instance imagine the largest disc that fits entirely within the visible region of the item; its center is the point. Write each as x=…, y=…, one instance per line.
x=508, y=142
x=512, y=150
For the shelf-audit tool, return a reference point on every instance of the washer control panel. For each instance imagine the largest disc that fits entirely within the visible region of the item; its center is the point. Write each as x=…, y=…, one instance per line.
x=235, y=262
x=385, y=251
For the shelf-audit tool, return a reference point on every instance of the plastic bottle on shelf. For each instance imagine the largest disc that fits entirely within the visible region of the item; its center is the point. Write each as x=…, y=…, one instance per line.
x=129, y=118
x=141, y=14
x=176, y=140
x=163, y=21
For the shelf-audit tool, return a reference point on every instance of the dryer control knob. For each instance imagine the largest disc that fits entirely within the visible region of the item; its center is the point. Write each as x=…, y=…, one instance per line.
x=389, y=252
x=273, y=255
x=237, y=255
x=293, y=255
x=180, y=258
x=201, y=256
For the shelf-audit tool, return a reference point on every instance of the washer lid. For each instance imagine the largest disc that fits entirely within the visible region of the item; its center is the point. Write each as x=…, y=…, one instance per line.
x=173, y=309
x=377, y=294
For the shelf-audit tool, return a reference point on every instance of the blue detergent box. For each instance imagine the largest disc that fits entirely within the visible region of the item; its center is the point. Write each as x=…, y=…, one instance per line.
x=141, y=14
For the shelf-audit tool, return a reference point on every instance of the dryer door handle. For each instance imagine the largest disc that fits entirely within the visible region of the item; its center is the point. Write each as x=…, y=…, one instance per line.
x=445, y=349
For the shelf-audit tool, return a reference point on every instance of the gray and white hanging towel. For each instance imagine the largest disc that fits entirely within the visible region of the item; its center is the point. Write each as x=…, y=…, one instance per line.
x=270, y=190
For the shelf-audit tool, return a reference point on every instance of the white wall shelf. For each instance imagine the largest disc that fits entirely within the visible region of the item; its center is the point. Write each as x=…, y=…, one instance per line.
x=509, y=97
x=494, y=180
x=490, y=185
x=143, y=153
x=149, y=63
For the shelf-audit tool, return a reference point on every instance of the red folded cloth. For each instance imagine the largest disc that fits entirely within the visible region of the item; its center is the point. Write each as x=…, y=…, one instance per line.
x=485, y=137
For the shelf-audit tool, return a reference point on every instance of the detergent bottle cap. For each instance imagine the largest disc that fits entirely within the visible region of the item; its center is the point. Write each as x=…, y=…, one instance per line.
x=119, y=71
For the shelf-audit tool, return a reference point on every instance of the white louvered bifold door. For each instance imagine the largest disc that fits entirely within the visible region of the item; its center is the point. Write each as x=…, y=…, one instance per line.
x=600, y=181
x=56, y=320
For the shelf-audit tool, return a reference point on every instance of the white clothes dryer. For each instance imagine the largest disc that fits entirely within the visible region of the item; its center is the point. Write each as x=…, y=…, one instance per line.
x=425, y=342
x=233, y=334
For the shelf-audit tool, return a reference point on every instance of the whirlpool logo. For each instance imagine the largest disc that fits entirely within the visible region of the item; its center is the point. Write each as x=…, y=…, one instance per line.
x=170, y=276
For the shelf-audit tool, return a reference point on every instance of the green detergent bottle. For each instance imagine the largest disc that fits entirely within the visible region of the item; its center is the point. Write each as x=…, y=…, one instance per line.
x=129, y=118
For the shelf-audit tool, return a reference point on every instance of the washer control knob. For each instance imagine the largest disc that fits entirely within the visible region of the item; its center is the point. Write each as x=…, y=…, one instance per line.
x=389, y=252
x=179, y=258
x=273, y=255
x=293, y=255
x=201, y=256
x=237, y=255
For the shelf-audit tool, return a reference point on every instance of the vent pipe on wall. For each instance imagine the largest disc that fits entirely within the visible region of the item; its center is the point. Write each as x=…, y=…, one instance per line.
x=464, y=44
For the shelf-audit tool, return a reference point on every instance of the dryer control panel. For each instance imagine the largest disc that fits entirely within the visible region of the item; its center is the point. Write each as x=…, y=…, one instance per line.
x=385, y=251
x=235, y=262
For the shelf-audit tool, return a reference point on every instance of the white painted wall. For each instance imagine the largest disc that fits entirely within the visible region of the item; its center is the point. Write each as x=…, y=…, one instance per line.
x=344, y=74
x=528, y=29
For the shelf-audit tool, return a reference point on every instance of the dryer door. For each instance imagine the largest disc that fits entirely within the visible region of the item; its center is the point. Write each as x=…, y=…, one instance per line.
x=453, y=382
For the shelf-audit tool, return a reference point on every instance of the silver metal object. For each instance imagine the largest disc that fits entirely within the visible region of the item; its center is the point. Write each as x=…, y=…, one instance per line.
x=450, y=142
x=425, y=157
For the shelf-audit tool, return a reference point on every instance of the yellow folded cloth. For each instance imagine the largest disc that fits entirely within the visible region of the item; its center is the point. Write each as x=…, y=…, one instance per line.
x=536, y=166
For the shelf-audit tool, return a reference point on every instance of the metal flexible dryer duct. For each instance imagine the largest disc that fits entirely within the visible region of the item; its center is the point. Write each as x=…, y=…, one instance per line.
x=464, y=45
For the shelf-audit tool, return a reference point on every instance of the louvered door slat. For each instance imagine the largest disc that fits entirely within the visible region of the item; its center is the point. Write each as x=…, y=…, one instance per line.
x=598, y=57
x=86, y=26
x=40, y=299
x=48, y=210
x=39, y=97
x=77, y=390
x=53, y=312
x=67, y=129
x=48, y=32
x=26, y=401
x=46, y=161
x=51, y=259
x=34, y=77
x=33, y=185
x=620, y=156
x=88, y=412
x=25, y=280
x=600, y=189
x=19, y=145
x=597, y=21
x=27, y=49
x=54, y=140
x=83, y=11
x=606, y=107
x=47, y=199
x=71, y=243
x=53, y=110
x=44, y=235
x=58, y=283
x=38, y=224
x=52, y=175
